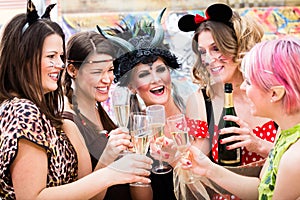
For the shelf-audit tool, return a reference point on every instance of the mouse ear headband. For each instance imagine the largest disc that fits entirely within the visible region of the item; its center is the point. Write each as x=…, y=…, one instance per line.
x=217, y=12
x=32, y=15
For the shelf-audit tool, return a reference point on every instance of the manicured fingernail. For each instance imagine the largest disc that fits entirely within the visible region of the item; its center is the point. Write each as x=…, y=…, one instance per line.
x=188, y=162
x=224, y=117
x=221, y=141
x=167, y=156
x=227, y=148
x=158, y=151
x=167, y=142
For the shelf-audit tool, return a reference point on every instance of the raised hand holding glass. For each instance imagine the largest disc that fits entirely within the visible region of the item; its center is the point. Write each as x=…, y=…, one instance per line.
x=120, y=100
x=141, y=133
x=157, y=113
x=178, y=128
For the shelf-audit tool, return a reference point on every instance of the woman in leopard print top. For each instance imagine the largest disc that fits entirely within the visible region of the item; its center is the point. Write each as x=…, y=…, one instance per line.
x=37, y=160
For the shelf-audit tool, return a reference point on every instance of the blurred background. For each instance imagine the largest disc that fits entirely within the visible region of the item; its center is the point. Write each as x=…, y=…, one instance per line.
x=278, y=17
x=85, y=14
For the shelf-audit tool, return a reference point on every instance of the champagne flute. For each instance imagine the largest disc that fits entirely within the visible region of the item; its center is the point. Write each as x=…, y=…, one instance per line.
x=141, y=133
x=178, y=129
x=157, y=113
x=120, y=100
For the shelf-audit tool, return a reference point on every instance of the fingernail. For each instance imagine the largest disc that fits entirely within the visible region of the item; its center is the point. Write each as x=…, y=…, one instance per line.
x=221, y=141
x=188, y=162
x=167, y=142
x=224, y=117
x=227, y=148
x=158, y=151
x=167, y=156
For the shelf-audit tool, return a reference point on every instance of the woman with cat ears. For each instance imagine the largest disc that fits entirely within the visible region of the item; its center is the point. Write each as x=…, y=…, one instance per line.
x=37, y=159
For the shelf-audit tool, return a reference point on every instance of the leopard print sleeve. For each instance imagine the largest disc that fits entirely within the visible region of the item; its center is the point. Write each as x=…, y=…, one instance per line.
x=20, y=118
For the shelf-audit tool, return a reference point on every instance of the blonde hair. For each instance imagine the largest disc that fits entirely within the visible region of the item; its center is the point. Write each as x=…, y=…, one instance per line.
x=231, y=41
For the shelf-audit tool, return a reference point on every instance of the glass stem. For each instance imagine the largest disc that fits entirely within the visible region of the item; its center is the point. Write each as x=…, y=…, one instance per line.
x=161, y=164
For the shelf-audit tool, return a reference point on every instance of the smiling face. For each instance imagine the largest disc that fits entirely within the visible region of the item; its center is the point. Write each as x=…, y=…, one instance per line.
x=260, y=100
x=94, y=79
x=51, y=62
x=152, y=82
x=222, y=68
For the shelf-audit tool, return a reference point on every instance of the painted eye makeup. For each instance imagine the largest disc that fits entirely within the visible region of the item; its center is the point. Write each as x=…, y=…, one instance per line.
x=215, y=49
x=143, y=74
x=201, y=51
x=161, y=69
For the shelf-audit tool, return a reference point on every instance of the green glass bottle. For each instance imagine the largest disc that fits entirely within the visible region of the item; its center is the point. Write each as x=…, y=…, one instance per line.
x=228, y=157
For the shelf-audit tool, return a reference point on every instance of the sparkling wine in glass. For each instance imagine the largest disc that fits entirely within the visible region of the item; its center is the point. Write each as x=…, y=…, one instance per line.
x=157, y=113
x=121, y=112
x=141, y=133
x=178, y=129
x=120, y=101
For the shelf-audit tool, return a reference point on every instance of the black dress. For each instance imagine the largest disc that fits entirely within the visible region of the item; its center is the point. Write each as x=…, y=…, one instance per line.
x=96, y=143
x=162, y=185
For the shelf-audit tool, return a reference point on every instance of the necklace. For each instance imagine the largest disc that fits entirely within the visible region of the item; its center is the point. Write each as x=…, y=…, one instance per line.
x=84, y=119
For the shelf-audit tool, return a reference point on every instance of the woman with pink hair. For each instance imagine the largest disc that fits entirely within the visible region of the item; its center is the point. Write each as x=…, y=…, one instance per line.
x=271, y=84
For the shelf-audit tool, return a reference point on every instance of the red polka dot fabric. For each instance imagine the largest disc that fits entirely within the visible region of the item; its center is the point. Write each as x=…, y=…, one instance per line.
x=199, y=129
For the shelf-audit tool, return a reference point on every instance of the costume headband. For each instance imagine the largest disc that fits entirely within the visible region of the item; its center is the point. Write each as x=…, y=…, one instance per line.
x=140, y=49
x=32, y=15
x=127, y=46
x=128, y=61
x=217, y=12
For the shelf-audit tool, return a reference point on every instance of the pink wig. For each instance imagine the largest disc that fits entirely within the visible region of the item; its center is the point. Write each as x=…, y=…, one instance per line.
x=274, y=63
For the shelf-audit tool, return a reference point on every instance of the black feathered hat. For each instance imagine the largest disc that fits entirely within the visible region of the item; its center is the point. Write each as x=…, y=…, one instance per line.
x=126, y=62
x=140, y=49
x=216, y=12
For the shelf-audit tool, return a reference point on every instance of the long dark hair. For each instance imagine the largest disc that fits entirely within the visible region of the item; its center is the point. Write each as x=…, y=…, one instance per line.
x=20, y=71
x=79, y=47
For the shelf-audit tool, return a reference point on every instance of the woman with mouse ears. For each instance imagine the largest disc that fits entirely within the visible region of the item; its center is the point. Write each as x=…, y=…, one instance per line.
x=272, y=85
x=221, y=39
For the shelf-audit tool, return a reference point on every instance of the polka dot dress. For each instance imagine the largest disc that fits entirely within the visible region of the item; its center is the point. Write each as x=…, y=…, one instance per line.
x=199, y=129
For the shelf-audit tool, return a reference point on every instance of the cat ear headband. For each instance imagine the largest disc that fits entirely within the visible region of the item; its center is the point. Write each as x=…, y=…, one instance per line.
x=32, y=15
x=217, y=12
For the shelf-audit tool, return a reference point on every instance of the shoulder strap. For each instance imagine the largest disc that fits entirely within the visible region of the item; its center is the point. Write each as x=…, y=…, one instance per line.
x=210, y=118
x=276, y=125
x=209, y=109
x=68, y=115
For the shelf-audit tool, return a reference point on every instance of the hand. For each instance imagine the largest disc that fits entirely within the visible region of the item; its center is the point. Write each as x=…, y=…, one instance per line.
x=119, y=140
x=131, y=168
x=168, y=151
x=198, y=162
x=246, y=137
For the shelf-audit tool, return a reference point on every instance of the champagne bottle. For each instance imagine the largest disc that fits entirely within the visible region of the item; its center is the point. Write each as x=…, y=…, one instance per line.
x=228, y=157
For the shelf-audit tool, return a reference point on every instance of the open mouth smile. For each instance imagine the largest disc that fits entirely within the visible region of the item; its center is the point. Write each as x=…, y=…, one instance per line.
x=158, y=90
x=54, y=76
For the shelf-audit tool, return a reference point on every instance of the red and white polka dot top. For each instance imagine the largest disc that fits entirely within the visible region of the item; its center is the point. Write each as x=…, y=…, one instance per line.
x=199, y=129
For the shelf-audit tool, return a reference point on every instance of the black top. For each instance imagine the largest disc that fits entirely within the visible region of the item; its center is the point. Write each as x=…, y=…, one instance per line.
x=96, y=143
x=162, y=184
